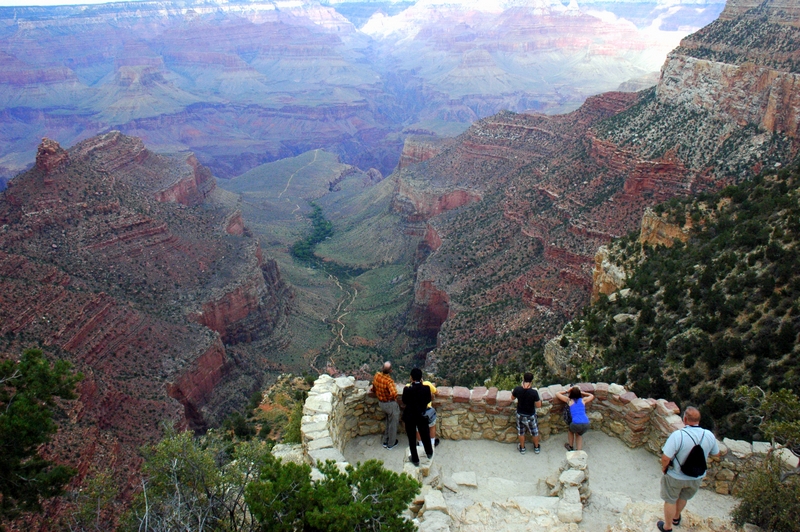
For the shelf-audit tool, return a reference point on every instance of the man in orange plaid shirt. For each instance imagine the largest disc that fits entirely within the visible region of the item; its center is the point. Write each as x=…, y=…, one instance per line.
x=385, y=389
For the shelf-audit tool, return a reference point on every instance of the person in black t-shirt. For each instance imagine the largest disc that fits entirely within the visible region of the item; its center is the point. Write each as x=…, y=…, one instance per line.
x=416, y=397
x=527, y=402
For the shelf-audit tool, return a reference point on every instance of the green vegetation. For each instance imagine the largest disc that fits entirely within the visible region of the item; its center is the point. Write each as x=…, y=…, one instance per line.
x=768, y=502
x=321, y=229
x=209, y=483
x=28, y=389
x=271, y=416
x=770, y=496
x=712, y=314
x=362, y=498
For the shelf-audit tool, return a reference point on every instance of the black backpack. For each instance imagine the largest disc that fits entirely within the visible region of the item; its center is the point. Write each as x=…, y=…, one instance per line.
x=695, y=463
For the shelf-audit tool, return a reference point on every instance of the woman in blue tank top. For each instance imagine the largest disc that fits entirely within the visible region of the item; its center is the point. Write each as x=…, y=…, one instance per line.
x=576, y=402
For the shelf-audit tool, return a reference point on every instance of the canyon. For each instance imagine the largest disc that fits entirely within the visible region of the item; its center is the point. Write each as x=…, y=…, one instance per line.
x=517, y=264
x=165, y=287
x=242, y=83
x=131, y=266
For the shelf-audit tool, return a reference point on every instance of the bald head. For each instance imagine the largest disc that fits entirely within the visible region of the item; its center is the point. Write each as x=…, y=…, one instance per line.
x=387, y=367
x=691, y=416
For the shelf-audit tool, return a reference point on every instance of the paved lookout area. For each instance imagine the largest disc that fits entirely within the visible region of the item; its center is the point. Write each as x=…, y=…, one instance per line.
x=618, y=476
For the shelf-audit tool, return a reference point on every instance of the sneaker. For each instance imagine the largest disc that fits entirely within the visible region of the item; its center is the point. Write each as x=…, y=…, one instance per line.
x=537, y=449
x=385, y=445
x=392, y=446
x=416, y=464
x=436, y=442
x=521, y=449
x=430, y=456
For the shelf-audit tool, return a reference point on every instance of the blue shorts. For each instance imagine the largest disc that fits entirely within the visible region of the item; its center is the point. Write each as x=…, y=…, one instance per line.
x=430, y=415
x=527, y=423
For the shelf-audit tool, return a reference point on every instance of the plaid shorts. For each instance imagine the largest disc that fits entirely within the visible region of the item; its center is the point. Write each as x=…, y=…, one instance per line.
x=527, y=422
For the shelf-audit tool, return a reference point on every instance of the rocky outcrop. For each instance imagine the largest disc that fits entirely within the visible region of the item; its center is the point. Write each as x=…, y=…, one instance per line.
x=420, y=205
x=779, y=11
x=518, y=264
x=417, y=149
x=98, y=272
x=430, y=309
x=249, y=310
x=607, y=277
x=742, y=94
x=191, y=189
x=235, y=224
x=194, y=388
x=657, y=231
x=50, y=156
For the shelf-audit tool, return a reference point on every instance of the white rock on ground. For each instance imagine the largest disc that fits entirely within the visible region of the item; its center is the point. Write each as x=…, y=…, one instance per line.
x=434, y=501
x=434, y=521
x=466, y=478
x=570, y=512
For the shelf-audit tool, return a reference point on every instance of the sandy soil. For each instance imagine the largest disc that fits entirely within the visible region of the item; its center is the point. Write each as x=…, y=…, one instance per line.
x=617, y=474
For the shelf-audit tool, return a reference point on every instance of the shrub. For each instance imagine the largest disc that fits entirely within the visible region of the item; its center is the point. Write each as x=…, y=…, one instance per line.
x=362, y=498
x=767, y=502
x=292, y=433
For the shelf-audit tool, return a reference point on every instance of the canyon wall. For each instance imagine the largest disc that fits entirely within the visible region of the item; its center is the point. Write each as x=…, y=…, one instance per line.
x=109, y=250
x=519, y=262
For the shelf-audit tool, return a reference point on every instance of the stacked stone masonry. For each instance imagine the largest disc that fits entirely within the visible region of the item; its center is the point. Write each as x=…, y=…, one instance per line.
x=338, y=410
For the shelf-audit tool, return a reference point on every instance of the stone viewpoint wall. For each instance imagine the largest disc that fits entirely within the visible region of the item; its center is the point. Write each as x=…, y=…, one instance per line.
x=338, y=410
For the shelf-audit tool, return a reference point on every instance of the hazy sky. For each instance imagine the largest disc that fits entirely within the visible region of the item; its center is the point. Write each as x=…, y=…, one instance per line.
x=7, y=3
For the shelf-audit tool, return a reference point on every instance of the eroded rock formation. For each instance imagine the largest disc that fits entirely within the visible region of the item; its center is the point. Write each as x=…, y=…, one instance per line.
x=102, y=267
x=520, y=260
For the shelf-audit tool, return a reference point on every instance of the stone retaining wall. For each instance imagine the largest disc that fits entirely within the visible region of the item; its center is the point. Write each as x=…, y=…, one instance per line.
x=338, y=410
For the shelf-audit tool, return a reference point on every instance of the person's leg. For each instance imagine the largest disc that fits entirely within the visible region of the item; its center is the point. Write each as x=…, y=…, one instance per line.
x=669, y=514
x=522, y=441
x=571, y=438
x=425, y=435
x=411, y=431
x=680, y=504
x=392, y=420
x=385, y=408
x=670, y=490
x=578, y=442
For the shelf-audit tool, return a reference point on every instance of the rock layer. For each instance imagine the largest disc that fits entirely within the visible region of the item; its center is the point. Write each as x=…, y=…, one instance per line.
x=102, y=268
x=517, y=263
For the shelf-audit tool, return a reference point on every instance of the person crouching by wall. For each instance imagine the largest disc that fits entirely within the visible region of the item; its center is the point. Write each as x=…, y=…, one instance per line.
x=578, y=420
x=416, y=398
x=430, y=415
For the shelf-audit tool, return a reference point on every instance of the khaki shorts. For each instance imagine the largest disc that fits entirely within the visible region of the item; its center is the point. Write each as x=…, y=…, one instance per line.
x=673, y=489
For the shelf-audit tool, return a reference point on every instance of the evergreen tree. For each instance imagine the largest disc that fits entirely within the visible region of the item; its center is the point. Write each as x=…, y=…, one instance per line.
x=27, y=391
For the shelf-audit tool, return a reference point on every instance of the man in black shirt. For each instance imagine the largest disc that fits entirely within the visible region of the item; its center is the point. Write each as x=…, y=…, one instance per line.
x=416, y=397
x=527, y=402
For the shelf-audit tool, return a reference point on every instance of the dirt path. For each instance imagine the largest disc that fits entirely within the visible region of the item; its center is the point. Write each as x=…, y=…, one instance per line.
x=340, y=313
x=289, y=182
